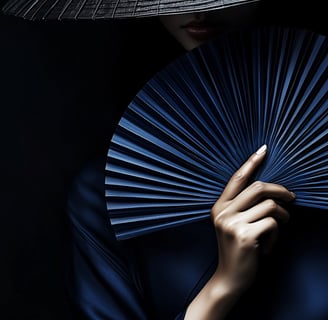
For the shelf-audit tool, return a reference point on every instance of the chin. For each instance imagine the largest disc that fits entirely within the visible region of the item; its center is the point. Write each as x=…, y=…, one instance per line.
x=189, y=43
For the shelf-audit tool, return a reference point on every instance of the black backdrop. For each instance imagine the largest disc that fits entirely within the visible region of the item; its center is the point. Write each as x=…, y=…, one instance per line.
x=60, y=100
x=52, y=120
x=61, y=95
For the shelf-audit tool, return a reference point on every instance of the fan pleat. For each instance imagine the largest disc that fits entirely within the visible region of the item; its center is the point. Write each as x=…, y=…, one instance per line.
x=176, y=161
x=143, y=228
x=167, y=167
x=195, y=122
x=156, y=178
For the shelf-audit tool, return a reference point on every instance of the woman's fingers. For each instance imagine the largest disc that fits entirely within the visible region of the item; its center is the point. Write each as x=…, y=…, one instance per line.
x=241, y=177
x=246, y=216
x=258, y=191
x=232, y=223
x=266, y=208
x=266, y=230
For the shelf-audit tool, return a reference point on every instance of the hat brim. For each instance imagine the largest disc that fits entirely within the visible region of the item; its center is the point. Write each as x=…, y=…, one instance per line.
x=109, y=9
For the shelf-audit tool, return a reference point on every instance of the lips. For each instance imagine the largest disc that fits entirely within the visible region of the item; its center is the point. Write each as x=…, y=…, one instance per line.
x=201, y=31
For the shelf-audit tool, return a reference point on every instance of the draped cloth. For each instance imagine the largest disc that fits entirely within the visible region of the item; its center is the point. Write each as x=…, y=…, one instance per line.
x=157, y=276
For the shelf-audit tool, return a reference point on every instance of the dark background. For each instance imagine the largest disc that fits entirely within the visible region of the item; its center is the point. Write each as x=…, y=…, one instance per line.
x=63, y=89
x=64, y=86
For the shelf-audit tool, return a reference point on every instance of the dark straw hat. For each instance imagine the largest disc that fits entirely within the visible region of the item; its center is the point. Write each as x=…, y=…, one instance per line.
x=107, y=9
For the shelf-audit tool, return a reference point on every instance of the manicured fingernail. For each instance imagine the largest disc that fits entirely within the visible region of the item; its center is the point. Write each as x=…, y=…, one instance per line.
x=293, y=194
x=262, y=149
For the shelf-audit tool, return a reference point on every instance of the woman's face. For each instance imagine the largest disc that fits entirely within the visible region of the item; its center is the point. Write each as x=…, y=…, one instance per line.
x=192, y=30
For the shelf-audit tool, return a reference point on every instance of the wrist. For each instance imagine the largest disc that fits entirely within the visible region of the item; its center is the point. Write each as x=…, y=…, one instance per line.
x=214, y=301
x=221, y=288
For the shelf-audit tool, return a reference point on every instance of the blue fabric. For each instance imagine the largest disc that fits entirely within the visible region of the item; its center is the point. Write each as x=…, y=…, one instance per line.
x=156, y=276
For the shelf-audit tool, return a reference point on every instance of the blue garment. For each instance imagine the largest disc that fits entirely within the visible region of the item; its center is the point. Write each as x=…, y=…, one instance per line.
x=156, y=276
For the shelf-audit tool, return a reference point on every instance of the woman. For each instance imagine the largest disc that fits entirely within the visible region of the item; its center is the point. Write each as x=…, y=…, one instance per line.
x=214, y=269
x=177, y=273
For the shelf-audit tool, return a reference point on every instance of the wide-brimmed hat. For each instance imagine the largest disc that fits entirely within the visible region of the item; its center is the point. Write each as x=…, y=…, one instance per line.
x=107, y=9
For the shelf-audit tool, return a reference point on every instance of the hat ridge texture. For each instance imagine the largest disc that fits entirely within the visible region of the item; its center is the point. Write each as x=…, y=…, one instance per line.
x=109, y=9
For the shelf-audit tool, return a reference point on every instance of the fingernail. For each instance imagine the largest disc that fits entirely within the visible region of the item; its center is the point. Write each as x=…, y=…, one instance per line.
x=293, y=194
x=262, y=149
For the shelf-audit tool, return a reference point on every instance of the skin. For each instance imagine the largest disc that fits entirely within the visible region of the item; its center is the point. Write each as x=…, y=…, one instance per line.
x=244, y=213
x=219, y=20
x=241, y=216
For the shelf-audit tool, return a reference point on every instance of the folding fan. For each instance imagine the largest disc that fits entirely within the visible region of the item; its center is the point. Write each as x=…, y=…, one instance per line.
x=197, y=120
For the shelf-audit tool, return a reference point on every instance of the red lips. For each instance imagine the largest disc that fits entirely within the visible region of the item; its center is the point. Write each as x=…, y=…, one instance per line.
x=201, y=30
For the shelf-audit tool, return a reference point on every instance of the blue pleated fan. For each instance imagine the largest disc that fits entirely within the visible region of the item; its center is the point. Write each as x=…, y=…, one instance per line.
x=197, y=120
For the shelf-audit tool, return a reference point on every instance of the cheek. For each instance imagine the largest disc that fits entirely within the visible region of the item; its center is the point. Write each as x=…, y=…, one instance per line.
x=185, y=40
x=173, y=25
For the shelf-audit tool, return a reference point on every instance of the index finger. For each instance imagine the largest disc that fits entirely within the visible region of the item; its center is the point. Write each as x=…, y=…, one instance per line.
x=240, y=178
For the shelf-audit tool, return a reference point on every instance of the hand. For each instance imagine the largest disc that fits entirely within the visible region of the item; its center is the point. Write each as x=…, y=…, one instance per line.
x=246, y=220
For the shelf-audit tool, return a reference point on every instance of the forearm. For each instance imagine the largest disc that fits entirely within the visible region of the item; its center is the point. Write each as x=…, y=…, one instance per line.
x=213, y=302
